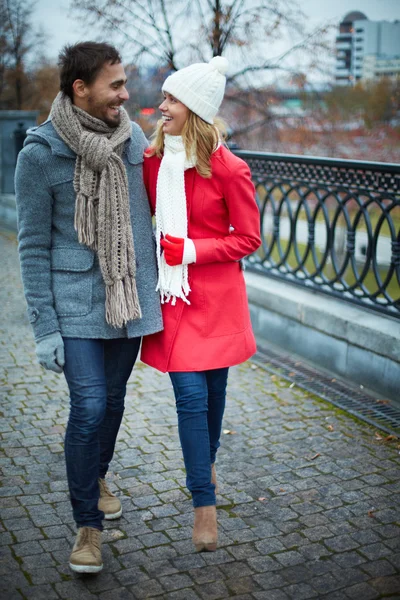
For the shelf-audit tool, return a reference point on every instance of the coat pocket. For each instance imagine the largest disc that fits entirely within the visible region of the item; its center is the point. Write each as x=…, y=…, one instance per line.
x=225, y=300
x=72, y=281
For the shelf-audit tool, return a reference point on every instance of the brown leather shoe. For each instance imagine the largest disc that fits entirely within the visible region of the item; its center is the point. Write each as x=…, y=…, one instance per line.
x=205, y=532
x=214, y=477
x=86, y=553
x=108, y=502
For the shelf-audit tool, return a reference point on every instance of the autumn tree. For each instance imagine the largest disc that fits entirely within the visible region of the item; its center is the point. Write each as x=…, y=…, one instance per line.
x=18, y=39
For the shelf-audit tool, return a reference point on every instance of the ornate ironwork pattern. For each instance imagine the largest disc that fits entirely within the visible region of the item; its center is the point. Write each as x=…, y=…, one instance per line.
x=331, y=225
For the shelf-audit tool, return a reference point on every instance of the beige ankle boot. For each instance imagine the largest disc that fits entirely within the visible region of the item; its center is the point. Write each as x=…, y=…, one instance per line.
x=205, y=532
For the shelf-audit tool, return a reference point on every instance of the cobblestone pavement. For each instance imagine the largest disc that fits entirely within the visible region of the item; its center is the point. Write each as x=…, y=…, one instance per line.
x=308, y=501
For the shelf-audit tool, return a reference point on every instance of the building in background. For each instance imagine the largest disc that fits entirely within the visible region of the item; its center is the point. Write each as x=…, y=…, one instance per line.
x=366, y=49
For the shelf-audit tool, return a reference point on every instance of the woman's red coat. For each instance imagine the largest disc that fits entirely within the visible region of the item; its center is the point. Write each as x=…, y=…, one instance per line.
x=214, y=331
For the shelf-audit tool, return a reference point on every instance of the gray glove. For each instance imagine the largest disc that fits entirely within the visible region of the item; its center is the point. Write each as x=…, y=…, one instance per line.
x=50, y=352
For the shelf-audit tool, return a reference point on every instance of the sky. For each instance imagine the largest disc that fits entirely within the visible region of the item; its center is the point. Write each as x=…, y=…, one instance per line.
x=61, y=29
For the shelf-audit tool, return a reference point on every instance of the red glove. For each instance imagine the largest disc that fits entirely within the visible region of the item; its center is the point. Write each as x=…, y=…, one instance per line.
x=173, y=250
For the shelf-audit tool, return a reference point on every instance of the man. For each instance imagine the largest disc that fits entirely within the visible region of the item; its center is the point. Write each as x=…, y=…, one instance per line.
x=88, y=268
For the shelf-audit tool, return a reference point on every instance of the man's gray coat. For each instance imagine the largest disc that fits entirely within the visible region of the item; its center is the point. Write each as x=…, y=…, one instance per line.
x=63, y=284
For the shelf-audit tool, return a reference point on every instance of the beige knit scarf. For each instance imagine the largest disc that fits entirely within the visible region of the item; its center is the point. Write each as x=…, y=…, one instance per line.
x=102, y=217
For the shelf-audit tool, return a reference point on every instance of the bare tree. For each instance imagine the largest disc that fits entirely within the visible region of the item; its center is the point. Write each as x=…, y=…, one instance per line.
x=172, y=33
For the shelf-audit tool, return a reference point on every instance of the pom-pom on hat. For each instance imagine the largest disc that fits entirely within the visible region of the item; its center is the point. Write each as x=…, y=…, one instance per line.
x=200, y=87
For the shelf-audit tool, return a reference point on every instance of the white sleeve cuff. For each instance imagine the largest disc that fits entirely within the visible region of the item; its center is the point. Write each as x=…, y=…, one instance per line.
x=189, y=252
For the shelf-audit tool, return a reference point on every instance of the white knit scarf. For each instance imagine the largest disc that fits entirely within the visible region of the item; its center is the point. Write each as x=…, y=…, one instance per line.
x=171, y=217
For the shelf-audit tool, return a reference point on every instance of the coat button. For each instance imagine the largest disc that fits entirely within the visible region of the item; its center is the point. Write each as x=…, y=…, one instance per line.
x=33, y=315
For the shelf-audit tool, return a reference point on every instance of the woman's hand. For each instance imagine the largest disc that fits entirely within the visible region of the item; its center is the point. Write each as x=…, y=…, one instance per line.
x=178, y=251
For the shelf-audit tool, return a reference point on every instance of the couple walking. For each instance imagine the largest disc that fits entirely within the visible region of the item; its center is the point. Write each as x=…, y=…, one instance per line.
x=97, y=286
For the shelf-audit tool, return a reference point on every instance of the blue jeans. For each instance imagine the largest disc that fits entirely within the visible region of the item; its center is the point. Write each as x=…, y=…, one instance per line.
x=200, y=404
x=97, y=372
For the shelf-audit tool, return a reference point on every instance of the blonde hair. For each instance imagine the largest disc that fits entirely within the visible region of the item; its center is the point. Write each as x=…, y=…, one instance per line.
x=199, y=137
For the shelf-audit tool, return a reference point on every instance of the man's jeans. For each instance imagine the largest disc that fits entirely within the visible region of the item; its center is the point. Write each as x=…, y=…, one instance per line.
x=96, y=372
x=200, y=403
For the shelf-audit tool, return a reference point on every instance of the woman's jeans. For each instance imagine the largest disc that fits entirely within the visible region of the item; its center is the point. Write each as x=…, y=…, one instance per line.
x=97, y=372
x=200, y=403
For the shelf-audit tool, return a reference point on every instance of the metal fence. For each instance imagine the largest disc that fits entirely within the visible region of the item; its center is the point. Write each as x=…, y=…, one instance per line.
x=330, y=225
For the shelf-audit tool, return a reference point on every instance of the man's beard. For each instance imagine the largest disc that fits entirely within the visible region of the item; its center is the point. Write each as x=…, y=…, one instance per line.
x=97, y=110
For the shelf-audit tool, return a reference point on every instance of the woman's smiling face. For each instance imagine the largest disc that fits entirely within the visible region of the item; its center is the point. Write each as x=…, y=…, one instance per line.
x=174, y=114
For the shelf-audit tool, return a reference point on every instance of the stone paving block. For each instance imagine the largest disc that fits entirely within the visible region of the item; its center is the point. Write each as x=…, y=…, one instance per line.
x=269, y=545
x=289, y=558
x=213, y=591
x=205, y=575
x=175, y=582
x=13, y=594
x=315, y=534
x=148, y=589
x=296, y=574
x=393, y=543
x=186, y=594
x=133, y=576
x=375, y=551
x=40, y=592
x=341, y=543
x=190, y=561
x=179, y=533
x=271, y=595
x=379, y=568
x=161, y=553
x=6, y=538
x=239, y=585
x=27, y=549
x=301, y=591
x=325, y=583
x=43, y=576
x=117, y=594
x=263, y=563
x=362, y=591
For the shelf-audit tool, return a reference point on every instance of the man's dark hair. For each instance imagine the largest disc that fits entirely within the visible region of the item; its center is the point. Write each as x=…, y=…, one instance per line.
x=84, y=61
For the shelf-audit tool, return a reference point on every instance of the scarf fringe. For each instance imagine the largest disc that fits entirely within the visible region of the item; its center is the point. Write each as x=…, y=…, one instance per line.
x=86, y=220
x=122, y=302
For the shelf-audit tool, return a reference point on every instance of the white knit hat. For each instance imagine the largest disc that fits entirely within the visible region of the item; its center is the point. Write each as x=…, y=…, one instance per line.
x=200, y=87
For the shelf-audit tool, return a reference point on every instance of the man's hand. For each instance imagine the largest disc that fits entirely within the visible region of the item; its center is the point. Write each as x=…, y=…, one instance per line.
x=50, y=352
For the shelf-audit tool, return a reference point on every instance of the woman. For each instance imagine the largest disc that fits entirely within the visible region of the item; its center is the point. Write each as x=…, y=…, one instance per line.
x=207, y=220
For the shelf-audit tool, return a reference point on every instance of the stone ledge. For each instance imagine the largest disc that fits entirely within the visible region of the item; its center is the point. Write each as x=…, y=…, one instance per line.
x=348, y=341
x=357, y=326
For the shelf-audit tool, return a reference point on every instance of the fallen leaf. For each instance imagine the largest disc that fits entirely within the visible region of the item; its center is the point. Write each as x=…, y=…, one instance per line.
x=262, y=499
x=331, y=428
x=229, y=432
x=390, y=438
x=282, y=490
x=315, y=456
x=383, y=401
x=117, y=535
x=297, y=364
x=378, y=436
x=333, y=380
x=371, y=513
x=254, y=367
x=292, y=374
x=292, y=385
x=273, y=378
